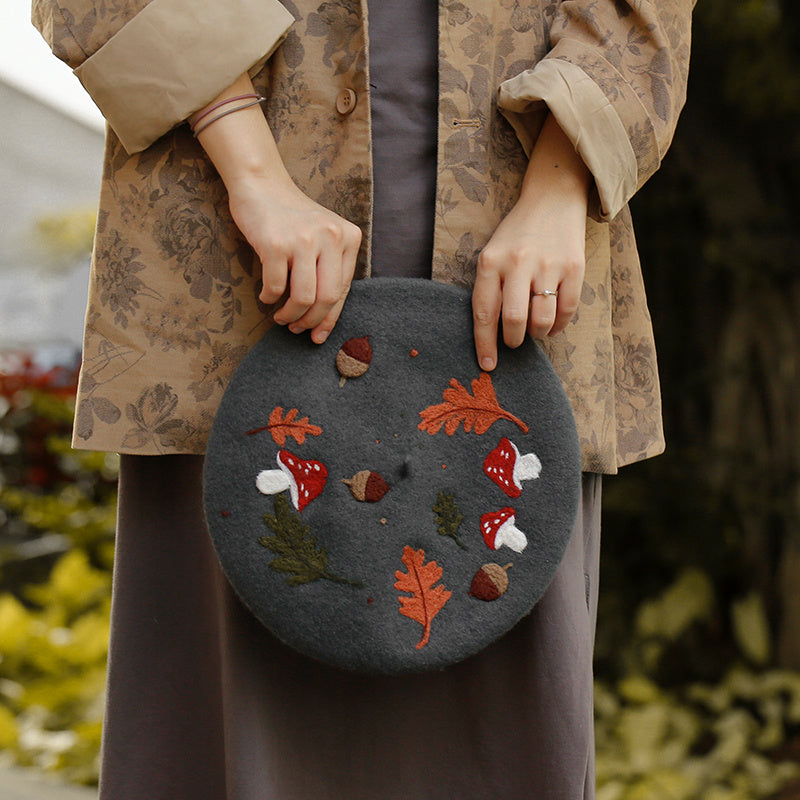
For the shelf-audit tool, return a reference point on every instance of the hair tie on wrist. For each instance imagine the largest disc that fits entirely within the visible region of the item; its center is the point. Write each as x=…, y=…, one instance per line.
x=250, y=96
x=258, y=99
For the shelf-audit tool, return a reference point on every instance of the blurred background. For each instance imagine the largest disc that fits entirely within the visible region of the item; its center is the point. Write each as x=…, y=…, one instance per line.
x=698, y=645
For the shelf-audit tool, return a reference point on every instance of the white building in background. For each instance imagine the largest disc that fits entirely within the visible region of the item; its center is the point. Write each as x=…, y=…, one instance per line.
x=50, y=165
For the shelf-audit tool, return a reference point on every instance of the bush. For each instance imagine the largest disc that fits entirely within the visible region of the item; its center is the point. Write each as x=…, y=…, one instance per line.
x=694, y=740
x=57, y=511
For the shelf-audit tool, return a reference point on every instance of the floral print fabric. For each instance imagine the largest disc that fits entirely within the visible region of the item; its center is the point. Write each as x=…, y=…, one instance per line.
x=173, y=299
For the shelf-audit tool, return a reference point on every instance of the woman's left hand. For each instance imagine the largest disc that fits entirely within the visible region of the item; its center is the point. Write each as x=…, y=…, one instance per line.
x=530, y=273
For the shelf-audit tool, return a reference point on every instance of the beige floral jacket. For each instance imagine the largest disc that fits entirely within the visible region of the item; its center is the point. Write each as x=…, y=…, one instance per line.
x=173, y=299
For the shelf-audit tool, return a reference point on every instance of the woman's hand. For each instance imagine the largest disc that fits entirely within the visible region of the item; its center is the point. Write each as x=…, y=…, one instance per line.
x=530, y=273
x=304, y=249
x=307, y=253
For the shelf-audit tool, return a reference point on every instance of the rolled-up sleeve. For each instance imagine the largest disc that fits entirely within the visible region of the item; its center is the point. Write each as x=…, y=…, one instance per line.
x=615, y=79
x=171, y=58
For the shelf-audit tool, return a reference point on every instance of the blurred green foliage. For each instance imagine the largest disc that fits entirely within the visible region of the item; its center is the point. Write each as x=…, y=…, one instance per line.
x=65, y=238
x=662, y=734
x=57, y=510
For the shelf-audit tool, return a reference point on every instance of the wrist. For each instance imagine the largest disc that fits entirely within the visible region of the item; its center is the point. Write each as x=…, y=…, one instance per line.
x=241, y=146
x=223, y=108
x=555, y=168
x=236, y=137
x=275, y=184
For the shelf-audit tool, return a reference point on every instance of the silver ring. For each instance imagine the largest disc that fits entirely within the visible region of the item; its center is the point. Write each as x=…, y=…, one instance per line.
x=548, y=293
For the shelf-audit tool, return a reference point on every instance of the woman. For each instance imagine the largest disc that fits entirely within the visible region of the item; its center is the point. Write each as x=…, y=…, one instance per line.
x=492, y=144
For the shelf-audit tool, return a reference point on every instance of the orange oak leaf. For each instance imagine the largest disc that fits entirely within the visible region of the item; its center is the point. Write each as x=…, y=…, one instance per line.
x=480, y=410
x=426, y=600
x=280, y=427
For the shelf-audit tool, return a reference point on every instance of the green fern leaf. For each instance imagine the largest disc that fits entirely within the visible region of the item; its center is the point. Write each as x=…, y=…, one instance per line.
x=299, y=557
x=448, y=518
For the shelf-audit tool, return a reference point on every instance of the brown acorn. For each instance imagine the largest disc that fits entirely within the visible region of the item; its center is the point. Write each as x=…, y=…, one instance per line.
x=367, y=486
x=490, y=582
x=354, y=358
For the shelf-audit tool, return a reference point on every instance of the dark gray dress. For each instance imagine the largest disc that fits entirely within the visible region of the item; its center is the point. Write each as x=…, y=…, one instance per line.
x=204, y=704
x=404, y=98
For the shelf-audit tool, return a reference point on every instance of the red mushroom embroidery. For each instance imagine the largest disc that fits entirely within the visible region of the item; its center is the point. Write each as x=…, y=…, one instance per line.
x=499, y=528
x=305, y=479
x=507, y=468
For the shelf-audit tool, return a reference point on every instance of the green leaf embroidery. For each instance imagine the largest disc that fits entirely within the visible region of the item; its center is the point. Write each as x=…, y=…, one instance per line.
x=298, y=554
x=448, y=518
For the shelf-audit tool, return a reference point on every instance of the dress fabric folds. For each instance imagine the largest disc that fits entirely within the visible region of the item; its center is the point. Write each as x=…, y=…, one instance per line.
x=205, y=704
x=404, y=96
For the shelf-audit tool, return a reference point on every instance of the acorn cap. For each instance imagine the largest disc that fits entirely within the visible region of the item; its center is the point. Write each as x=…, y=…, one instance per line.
x=354, y=358
x=367, y=486
x=490, y=582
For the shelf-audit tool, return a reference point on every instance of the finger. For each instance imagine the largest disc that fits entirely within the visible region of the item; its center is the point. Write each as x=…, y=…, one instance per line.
x=302, y=286
x=544, y=302
x=321, y=332
x=274, y=273
x=329, y=290
x=348, y=266
x=516, y=302
x=352, y=244
x=487, y=300
x=569, y=295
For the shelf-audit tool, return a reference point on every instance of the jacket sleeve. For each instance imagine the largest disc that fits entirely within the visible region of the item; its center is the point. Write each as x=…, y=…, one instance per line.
x=148, y=64
x=615, y=79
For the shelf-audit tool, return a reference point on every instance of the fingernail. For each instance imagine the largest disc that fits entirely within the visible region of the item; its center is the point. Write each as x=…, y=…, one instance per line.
x=296, y=328
x=487, y=363
x=320, y=337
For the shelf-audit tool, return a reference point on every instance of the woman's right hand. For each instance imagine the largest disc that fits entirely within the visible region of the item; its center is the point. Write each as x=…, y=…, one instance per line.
x=307, y=252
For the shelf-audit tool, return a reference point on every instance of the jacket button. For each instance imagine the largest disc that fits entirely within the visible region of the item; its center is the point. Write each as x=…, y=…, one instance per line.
x=346, y=101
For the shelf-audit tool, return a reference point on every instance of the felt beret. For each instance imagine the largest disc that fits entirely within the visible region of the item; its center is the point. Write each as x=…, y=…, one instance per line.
x=379, y=502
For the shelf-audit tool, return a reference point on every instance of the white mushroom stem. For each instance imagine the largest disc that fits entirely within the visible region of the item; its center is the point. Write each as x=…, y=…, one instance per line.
x=510, y=535
x=526, y=467
x=272, y=481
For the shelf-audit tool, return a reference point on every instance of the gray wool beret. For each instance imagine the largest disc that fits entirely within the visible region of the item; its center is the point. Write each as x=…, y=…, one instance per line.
x=379, y=502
